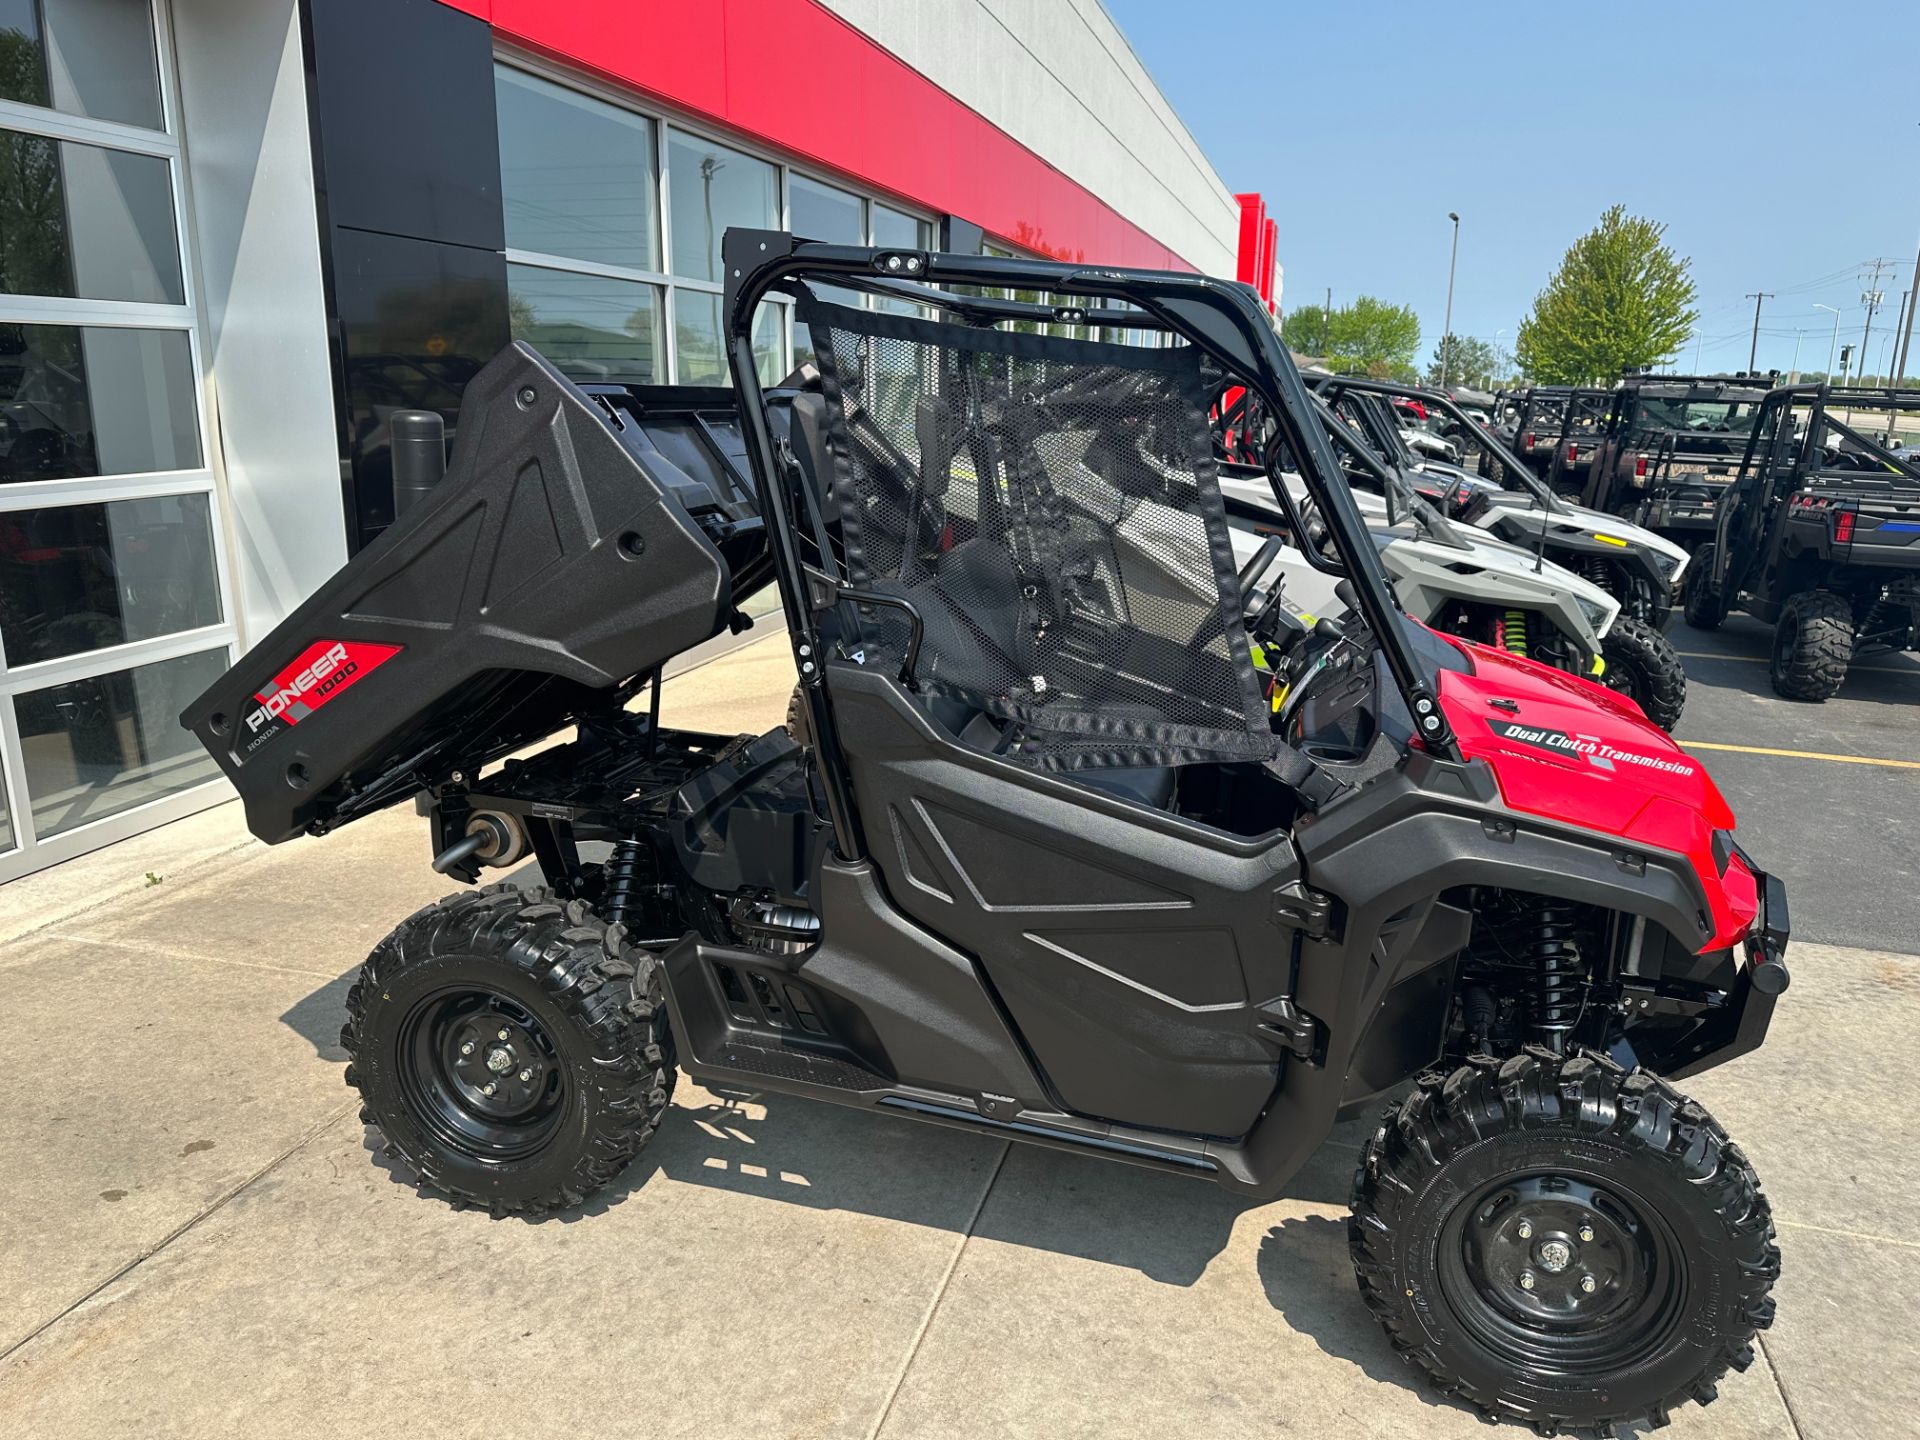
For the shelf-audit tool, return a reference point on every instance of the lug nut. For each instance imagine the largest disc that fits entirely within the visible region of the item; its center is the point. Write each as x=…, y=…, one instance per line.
x=467, y=1049
x=1588, y=1284
x=1526, y=1279
x=1586, y=1234
x=503, y=1033
x=526, y=1075
x=487, y=1089
x=1526, y=1230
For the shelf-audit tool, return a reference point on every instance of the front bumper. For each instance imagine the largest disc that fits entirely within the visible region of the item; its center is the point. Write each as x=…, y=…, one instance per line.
x=1740, y=1022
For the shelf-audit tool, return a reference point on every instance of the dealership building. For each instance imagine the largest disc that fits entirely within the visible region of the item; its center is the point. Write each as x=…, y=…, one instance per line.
x=237, y=235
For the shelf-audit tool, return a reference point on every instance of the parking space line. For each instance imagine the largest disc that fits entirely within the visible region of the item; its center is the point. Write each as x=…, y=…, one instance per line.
x=1762, y=660
x=1801, y=754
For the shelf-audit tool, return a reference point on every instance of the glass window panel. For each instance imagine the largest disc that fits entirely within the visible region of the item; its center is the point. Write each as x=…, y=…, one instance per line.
x=576, y=175
x=592, y=329
x=709, y=189
x=896, y=228
x=95, y=400
x=820, y=212
x=80, y=577
x=95, y=747
x=83, y=57
x=6, y=820
x=77, y=220
x=701, y=352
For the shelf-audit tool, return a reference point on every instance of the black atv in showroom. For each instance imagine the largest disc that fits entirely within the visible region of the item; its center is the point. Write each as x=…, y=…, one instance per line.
x=1819, y=535
x=1049, y=865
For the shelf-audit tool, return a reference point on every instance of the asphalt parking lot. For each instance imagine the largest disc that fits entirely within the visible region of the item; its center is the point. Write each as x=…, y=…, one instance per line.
x=201, y=1240
x=1838, y=819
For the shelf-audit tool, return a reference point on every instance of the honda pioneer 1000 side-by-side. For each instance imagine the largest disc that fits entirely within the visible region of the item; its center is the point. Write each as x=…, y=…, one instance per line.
x=1048, y=865
x=1820, y=535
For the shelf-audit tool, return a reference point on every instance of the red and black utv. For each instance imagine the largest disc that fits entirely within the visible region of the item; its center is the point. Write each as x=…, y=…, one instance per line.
x=1050, y=863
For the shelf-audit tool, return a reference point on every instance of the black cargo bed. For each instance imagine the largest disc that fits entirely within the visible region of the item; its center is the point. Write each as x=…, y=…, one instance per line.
x=581, y=538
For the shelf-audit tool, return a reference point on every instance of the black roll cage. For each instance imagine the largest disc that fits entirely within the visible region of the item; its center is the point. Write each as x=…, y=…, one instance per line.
x=1483, y=436
x=1226, y=321
x=1786, y=457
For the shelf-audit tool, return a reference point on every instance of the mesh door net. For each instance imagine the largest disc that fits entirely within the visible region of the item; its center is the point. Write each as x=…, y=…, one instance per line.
x=1050, y=507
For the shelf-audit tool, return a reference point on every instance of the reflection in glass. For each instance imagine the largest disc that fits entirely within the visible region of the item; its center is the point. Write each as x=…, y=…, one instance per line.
x=820, y=212
x=701, y=352
x=96, y=747
x=95, y=400
x=77, y=220
x=576, y=176
x=81, y=57
x=79, y=577
x=710, y=188
x=592, y=329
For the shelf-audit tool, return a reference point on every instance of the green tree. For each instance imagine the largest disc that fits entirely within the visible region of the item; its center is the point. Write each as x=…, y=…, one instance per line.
x=1467, y=361
x=1373, y=337
x=1621, y=300
x=1368, y=337
x=1305, y=330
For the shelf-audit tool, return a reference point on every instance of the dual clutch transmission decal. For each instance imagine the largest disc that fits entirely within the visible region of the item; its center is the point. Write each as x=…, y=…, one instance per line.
x=322, y=671
x=1596, y=752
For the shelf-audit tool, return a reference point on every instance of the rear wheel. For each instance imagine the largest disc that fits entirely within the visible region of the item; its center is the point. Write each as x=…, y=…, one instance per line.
x=1562, y=1241
x=1706, y=607
x=512, y=1048
x=1643, y=665
x=1812, y=645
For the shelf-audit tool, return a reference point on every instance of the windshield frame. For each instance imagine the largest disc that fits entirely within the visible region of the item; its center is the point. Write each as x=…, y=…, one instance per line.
x=1225, y=321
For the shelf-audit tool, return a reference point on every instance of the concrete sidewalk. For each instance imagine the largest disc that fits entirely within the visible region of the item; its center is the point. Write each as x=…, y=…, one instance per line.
x=199, y=1242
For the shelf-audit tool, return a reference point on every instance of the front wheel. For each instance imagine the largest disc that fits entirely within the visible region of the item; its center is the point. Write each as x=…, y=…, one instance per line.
x=1812, y=646
x=1643, y=665
x=512, y=1048
x=1561, y=1241
x=1706, y=606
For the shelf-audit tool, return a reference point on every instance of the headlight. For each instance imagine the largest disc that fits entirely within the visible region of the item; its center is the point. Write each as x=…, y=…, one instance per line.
x=1668, y=566
x=1600, y=617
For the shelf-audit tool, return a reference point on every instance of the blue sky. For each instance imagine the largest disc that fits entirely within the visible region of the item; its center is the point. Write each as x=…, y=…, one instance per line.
x=1779, y=143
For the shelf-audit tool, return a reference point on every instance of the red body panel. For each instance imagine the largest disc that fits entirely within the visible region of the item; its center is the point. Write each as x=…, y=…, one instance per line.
x=1566, y=749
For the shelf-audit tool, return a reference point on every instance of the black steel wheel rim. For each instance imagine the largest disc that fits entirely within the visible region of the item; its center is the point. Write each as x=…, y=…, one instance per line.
x=1563, y=1274
x=481, y=1074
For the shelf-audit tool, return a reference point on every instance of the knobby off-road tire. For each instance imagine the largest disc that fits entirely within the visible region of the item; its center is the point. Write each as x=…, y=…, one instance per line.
x=1812, y=646
x=1489, y=1195
x=560, y=1015
x=1705, y=606
x=1642, y=664
x=798, y=725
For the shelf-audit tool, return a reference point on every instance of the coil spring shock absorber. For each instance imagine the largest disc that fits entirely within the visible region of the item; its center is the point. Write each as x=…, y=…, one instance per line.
x=1596, y=571
x=621, y=879
x=1513, y=631
x=1557, y=973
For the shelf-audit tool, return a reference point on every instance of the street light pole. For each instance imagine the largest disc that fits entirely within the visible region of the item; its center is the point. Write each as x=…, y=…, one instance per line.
x=1446, y=328
x=1833, y=344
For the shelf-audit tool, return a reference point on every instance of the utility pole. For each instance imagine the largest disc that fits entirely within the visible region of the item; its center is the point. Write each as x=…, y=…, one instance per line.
x=1754, y=349
x=1870, y=298
x=1446, y=326
x=1906, y=336
x=1326, y=323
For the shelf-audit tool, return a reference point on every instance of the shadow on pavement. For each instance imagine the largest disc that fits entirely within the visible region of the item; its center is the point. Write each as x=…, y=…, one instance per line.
x=318, y=1017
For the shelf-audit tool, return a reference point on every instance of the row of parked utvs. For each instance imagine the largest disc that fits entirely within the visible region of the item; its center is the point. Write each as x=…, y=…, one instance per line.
x=1088, y=833
x=1800, y=504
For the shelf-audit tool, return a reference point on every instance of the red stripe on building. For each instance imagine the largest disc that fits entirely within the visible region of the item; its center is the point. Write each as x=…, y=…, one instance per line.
x=796, y=76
